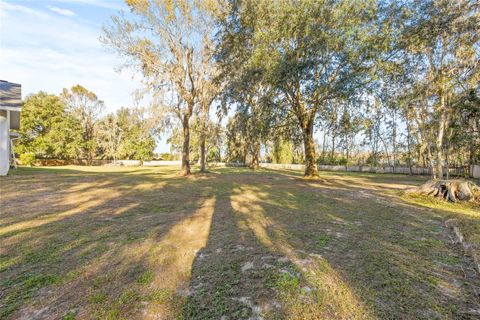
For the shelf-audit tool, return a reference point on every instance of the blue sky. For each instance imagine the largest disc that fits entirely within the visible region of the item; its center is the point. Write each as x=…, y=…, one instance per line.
x=50, y=45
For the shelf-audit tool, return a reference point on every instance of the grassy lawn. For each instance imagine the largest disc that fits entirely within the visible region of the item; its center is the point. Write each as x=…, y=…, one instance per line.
x=145, y=243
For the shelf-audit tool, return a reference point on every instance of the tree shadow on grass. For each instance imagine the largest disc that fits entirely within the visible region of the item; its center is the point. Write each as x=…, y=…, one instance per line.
x=252, y=268
x=274, y=245
x=97, y=248
x=344, y=250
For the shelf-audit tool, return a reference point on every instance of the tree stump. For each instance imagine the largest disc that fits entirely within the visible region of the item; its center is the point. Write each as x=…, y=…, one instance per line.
x=450, y=190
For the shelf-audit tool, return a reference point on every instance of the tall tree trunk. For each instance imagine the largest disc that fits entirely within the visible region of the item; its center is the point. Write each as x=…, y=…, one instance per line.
x=394, y=138
x=442, y=126
x=447, y=159
x=332, y=156
x=323, y=146
x=474, y=142
x=431, y=160
x=202, y=144
x=409, y=147
x=255, y=156
x=421, y=149
x=374, y=145
x=186, y=145
x=348, y=151
x=202, y=153
x=385, y=147
x=309, y=144
x=439, y=143
x=424, y=135
x=447, y=165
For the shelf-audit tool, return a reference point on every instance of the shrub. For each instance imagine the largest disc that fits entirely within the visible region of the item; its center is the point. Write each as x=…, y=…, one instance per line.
x=27, y=159
x=342, y=161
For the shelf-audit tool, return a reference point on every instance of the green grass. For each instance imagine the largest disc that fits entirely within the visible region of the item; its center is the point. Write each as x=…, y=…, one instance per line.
x=322, y=240
x=467, y=214
x=130, y=243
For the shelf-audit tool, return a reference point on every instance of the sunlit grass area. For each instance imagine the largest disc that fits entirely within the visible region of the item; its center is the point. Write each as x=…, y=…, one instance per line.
x=467, y=214
x=146, y=243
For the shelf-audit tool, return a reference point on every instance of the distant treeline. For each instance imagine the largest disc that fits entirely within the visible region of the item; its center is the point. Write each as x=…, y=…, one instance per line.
x=70, y=126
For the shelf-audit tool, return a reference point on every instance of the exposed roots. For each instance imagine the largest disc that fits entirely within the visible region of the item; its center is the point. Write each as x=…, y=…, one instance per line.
x=450, y=190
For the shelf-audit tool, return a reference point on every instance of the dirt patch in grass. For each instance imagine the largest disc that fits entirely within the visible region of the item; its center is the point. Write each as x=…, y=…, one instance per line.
x=146, y=243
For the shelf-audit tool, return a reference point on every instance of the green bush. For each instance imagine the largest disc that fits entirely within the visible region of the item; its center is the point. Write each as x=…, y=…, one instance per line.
x=27, y=159
x=169, y=156
x=342, y=161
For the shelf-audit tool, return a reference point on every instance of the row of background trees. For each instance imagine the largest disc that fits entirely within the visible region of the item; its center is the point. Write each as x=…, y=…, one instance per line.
x=314, y=81
x=70, y=126
x=382, y=81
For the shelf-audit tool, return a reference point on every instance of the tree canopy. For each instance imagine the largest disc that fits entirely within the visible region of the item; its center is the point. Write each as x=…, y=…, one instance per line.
x=376, y=82
x=71, y=126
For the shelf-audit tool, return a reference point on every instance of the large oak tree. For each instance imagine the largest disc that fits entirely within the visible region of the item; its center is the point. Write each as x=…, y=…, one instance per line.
x=169, y=42
x=310, y=52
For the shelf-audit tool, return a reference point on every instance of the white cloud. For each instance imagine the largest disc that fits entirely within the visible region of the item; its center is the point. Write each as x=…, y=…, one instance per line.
x=5, y=6
x=64, y=12
x=109, y=4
